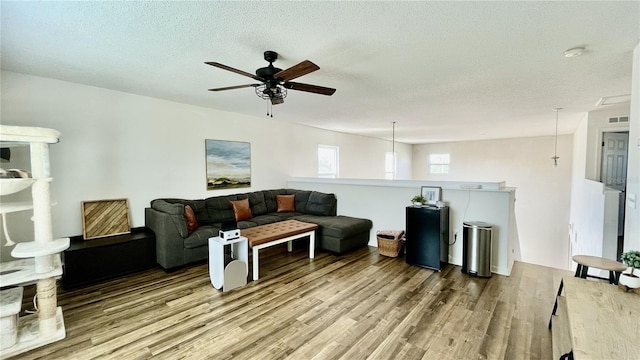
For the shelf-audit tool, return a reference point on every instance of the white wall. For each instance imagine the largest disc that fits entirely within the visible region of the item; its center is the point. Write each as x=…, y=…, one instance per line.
x=610, y=223
x=120, y=145
x=355, y=156
x=587, y=200
x=632, y=224
x=587, y=218
x=592, y=205
x=542, y=192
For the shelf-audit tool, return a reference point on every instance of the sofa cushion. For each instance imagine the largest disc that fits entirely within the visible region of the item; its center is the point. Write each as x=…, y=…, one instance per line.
x=219, y=208
x=257, y=203
x=286, y=215
x=265, y=219
x=302, y=197
x=241, y=209
x=200, y=236
x=246, y=224
x=321, y=204
x=286, y=203
x=168, y=207
x=190, y=217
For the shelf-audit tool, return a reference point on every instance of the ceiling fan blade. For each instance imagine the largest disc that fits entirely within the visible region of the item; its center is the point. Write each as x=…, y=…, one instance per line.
x=310, y=88
x=229, y=68
x=234, y=87
x=295, y=71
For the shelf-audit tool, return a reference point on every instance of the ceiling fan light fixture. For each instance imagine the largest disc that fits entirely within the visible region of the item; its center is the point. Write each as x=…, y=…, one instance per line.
x=277, y=92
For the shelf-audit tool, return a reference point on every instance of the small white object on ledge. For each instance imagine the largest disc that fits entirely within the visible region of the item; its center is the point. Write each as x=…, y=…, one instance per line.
x=471, y=186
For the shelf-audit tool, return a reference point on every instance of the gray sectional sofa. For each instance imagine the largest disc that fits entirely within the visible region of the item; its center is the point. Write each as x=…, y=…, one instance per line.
x=177, y=246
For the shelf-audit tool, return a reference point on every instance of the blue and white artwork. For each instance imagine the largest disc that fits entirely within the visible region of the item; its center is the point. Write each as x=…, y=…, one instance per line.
x=228, y=164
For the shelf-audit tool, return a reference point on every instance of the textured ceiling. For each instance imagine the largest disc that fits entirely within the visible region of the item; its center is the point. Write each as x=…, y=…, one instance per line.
x=444, y=71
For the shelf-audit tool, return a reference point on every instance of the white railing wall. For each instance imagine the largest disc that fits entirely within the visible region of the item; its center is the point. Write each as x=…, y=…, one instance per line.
x=384, y=202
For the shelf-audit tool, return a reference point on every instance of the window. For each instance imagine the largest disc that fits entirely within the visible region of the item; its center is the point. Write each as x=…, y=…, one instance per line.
x=390, y=165
x=438, y=163
x=327, y=161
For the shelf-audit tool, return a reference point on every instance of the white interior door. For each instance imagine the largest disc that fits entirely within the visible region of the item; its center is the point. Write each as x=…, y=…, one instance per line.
x=615, y=147
x=614, y=160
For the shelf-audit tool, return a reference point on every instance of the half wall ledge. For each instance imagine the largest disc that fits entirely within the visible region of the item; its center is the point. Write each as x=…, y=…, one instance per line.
x=384, y=202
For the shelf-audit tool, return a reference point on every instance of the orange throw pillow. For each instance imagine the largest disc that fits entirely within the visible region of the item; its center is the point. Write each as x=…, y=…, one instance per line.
x=190, y=217
x=241, y=209
x=286, y=203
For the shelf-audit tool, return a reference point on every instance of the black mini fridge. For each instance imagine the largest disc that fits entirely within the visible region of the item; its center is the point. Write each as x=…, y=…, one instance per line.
x=427, y=237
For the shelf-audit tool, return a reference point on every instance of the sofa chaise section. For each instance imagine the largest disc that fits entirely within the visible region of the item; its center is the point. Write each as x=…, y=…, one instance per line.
x=339, y=234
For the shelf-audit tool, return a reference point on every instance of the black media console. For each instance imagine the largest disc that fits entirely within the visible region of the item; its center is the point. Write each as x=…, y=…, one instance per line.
x=90, y=261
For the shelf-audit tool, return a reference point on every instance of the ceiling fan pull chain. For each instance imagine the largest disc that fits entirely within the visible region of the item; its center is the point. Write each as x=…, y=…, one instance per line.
x=269, y=105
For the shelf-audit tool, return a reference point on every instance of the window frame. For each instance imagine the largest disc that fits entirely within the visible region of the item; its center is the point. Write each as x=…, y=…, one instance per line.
x=336, y=157
x=437, y=163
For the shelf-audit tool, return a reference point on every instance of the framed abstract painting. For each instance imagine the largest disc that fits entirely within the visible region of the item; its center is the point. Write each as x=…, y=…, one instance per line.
x=228, y=164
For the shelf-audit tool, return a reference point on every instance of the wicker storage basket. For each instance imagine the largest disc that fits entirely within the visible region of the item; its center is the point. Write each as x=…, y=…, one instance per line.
x=390, y=242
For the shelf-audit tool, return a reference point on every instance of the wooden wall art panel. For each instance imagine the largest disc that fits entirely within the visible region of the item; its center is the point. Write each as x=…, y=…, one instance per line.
x=105, y=218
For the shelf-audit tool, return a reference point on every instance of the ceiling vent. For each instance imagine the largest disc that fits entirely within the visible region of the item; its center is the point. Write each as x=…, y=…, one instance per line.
x=619, y=119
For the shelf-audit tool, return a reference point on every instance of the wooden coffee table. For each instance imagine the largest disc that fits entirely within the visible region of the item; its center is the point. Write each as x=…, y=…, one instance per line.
x=264, y=236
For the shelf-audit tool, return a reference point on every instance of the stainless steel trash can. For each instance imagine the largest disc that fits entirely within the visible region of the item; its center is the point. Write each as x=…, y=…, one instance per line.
x=476, y=248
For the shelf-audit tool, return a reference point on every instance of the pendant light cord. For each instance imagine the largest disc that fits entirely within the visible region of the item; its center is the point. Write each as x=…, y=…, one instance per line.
x=555, y=146
x=393, y=148
x=393, y=138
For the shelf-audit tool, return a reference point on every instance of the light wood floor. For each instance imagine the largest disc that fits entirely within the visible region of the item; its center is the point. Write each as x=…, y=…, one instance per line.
x=356, y=306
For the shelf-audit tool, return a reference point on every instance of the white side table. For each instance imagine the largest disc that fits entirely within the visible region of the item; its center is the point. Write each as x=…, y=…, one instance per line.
x=233, y=274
